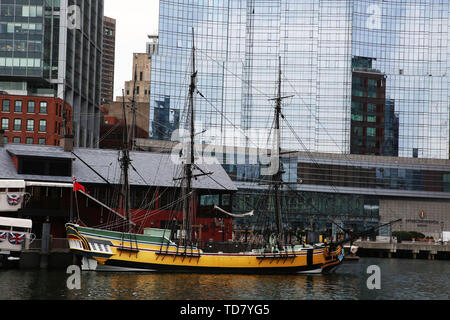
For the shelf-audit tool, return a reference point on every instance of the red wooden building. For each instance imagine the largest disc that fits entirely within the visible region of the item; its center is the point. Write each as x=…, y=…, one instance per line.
x=48, y=174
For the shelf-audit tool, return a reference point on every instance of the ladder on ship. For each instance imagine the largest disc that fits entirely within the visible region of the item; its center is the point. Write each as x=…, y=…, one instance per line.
x=187, y=251
x=132, y=239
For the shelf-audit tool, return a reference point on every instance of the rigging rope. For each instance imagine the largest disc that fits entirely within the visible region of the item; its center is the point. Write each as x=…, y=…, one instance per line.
x=248, y=214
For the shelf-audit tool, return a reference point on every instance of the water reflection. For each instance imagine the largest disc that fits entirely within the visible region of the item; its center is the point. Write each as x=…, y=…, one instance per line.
x=401, y=279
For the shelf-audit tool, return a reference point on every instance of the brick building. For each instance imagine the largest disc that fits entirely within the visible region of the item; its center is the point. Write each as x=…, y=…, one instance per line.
x=34, y=119
x=43, y=53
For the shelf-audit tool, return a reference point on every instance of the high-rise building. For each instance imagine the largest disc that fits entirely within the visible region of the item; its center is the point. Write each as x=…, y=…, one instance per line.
x=409, y=44
x=140, y=79
x=152, y=45
x=112, y=118
x=372, y=122
x=238, y=45
x=53, y=48
x=108, y=59
x=378, y=65
x=165, y=120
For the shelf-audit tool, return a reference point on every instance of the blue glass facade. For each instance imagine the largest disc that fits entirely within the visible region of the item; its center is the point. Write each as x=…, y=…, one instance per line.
x=21, y=38
x=408, y=43
x=366, y=72
x=238, y=44
x=54, y=47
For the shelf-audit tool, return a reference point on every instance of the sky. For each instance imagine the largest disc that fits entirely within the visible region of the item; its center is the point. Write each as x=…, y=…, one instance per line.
x=135, y=19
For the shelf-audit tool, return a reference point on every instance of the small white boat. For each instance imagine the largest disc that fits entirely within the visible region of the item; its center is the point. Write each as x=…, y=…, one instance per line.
x=15, y=236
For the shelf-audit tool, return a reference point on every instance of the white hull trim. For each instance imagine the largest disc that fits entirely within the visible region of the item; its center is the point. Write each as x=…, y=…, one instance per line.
x=103, y=268
x=92, y=265
x=315, y=271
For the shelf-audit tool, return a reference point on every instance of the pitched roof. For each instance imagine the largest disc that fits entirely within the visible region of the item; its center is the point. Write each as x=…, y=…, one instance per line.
x=147, y=169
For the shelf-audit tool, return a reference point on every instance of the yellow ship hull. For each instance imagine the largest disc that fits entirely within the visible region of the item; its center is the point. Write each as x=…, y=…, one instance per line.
x=139, y=252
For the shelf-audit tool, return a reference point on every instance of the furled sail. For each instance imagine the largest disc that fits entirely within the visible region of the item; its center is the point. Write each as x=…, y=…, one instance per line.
x=249, y=214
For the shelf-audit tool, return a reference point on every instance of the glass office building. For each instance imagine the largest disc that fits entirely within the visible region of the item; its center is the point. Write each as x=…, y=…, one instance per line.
x=408, y=42
x=239, y=43
x=54, y=48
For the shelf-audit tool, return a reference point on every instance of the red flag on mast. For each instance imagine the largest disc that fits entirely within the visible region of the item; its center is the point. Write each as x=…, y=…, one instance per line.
x=77, y=186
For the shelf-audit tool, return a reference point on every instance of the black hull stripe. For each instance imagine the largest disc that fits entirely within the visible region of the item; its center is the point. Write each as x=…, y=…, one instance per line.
x=209, y=270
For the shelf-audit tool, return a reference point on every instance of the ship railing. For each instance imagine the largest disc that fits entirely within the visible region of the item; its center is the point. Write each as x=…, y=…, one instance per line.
x=281, y=254
x=182, y=251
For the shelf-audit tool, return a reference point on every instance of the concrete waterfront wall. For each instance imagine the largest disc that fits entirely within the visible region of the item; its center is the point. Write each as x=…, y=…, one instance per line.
x=425, y=216
x=411, y=250
x=47, y=253
x=34, y=260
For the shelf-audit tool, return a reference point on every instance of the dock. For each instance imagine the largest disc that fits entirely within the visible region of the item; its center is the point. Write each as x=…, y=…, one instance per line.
x=410, y=250
x=54, y=256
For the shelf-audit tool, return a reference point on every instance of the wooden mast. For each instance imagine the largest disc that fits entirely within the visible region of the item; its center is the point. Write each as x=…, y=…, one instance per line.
x=278, y=178
x=190, y=156
x=128, y=140
x=125, y=164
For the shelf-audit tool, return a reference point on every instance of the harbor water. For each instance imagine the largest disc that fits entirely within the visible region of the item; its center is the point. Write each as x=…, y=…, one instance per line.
x=401, y=279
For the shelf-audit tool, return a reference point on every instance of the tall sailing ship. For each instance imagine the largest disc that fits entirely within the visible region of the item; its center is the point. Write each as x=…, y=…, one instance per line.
x=171, y=250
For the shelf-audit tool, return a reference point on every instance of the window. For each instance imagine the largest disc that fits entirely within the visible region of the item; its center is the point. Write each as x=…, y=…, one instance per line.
x=209, y=200
x=140, y=76
x=357, y=116
x=31, y=107
x=371, y=119
x=371, y=142
x=42, y=125
x=372, y=93
x=5, y=140
x=5, y=105
x=42, y=141
x=373, y=83
x=29, y=141
x=48, y=167
x=17, y=124
x=16, y=140
x=371, y=132
x=30, y=125
x=18, y=106
x=358, y=131
x=371, y=108
x=226, y=199
x=446, y=182
x=5, y=124
x=43, y=107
